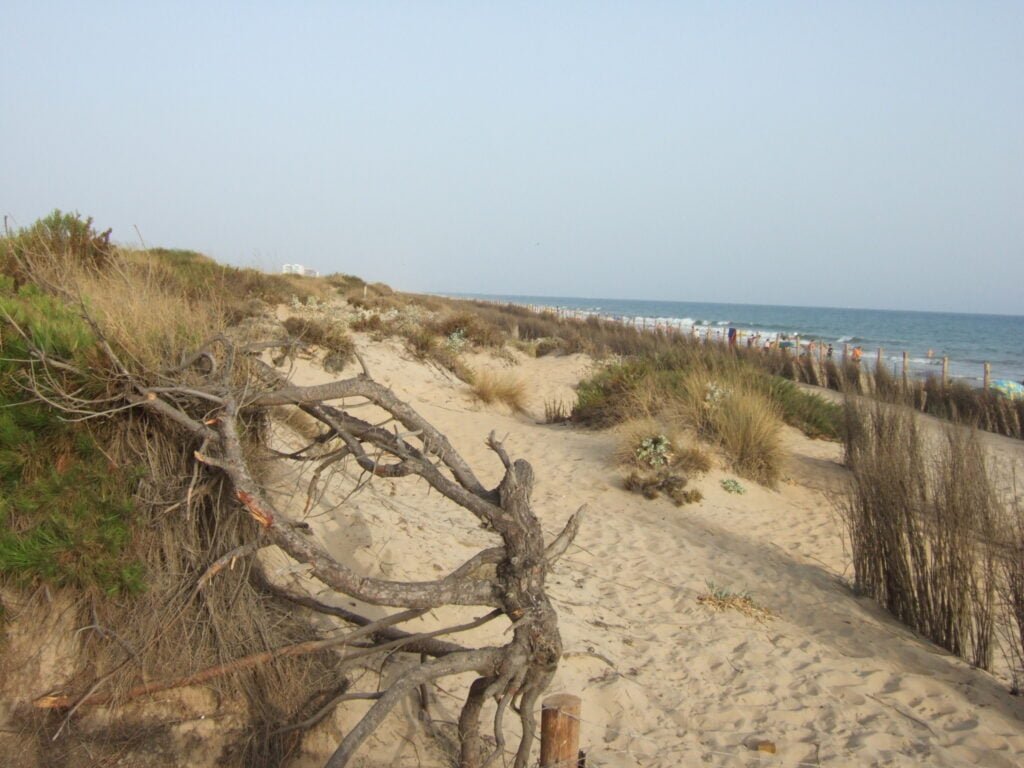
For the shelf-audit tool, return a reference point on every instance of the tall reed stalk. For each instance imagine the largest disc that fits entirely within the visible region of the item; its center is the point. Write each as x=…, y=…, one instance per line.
x=922, y=515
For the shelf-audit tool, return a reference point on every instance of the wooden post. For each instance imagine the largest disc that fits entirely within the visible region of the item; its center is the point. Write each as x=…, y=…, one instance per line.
x=560, y=731
x=945, y=370
x=987, y=379
x=904, y=370
x=846, y=351
x=878, y=360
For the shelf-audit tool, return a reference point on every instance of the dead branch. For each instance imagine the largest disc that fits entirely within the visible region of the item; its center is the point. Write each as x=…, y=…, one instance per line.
x=509, y=578
x=225, y=561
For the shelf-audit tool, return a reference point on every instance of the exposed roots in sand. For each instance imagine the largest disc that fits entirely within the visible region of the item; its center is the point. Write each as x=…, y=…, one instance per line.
x=209, y=613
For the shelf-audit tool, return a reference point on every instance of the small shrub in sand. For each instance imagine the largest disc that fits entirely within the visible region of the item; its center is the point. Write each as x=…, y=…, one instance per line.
x=658, y=463
x=330, y=336
x=490, y=387
x=654, y=451
x=368, y=323
x=731, y=485
x=721, y=599
x=651, y=484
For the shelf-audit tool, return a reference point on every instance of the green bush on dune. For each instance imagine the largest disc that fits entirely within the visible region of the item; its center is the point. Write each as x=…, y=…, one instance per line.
x=723, y=398
x=65, y=511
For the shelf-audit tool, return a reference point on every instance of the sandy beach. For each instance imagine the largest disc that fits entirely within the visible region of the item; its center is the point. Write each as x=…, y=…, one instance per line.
x=666, y=680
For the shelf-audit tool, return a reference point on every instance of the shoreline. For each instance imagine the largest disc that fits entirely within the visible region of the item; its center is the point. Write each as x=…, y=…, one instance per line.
x=919, y=366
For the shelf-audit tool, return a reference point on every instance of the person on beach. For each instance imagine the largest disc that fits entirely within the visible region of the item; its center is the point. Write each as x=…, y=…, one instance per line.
x=856, y=354
x=828, y=352
x=732, y=337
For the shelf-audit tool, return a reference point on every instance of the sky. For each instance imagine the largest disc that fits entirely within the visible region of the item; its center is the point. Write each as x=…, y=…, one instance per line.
x=855, y=154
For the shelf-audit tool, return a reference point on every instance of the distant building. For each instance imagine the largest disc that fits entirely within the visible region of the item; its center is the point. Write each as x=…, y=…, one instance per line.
x=298, y=269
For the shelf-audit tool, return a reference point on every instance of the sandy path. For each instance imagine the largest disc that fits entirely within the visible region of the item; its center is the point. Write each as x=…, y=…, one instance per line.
x=665, y=681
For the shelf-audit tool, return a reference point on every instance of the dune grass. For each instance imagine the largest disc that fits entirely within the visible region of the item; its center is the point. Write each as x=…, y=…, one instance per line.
x=502, y=387
x=722, y=399
x=921, y=516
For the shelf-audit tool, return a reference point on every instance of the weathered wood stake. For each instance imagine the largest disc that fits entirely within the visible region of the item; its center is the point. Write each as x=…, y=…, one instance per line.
x=904, y=370
x=945, y=370
x=560, y=731
x=988, y=376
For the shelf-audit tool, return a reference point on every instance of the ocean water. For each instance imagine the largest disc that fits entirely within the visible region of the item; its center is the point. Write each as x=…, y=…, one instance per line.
x=968, y=341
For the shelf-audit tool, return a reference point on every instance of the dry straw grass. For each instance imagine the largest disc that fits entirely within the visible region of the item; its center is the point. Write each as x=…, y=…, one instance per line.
x=922, y=513
x=719, y=600
x=183, y=519
x=504, y=387
x=728, y=410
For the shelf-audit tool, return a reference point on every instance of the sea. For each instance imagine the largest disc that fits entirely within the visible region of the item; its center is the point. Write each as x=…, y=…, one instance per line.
x=968, y=340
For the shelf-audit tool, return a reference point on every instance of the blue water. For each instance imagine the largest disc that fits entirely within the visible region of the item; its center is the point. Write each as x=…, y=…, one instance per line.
x=968, y=340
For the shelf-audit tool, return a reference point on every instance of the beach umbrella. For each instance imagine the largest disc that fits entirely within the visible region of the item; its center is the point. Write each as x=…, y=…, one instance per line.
x=1008, y=388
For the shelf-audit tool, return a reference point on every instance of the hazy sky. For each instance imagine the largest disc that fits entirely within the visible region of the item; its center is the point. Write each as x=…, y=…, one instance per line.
x=842, y=154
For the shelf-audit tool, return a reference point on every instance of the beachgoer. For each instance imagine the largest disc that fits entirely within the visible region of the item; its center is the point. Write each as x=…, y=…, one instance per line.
x=732, y=337
x=828, y=352
x=856, y=354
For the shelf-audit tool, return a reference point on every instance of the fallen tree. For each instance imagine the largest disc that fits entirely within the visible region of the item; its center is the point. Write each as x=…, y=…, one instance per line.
x=216, y=400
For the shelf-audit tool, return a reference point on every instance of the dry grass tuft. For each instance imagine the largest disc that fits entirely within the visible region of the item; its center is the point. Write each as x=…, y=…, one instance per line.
x=557, y=411
x=692, y=459
x=719, y=599
x=507, y=388
x=339, y=347
x=749, y=428
x=651, y=484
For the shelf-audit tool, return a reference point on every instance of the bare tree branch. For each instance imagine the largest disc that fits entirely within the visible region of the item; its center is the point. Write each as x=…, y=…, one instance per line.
x=218, y=389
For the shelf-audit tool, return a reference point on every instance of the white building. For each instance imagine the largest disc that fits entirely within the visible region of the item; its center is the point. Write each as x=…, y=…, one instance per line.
x=298, y=269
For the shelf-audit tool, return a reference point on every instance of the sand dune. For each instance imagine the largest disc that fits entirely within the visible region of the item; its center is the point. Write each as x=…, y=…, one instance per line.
x=666, y=680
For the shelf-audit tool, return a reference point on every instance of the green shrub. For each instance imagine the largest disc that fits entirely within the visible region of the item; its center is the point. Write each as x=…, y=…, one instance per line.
x=810, y=413
x=65, y=510
x=61, y=237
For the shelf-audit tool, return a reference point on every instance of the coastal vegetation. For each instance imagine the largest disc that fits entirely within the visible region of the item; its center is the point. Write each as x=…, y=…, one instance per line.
x=143, y=376
x=503, y=387
x=935, y=538
x=137, y=450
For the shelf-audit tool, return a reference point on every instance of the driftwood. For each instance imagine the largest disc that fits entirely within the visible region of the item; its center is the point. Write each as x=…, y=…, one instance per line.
x=210, y=406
